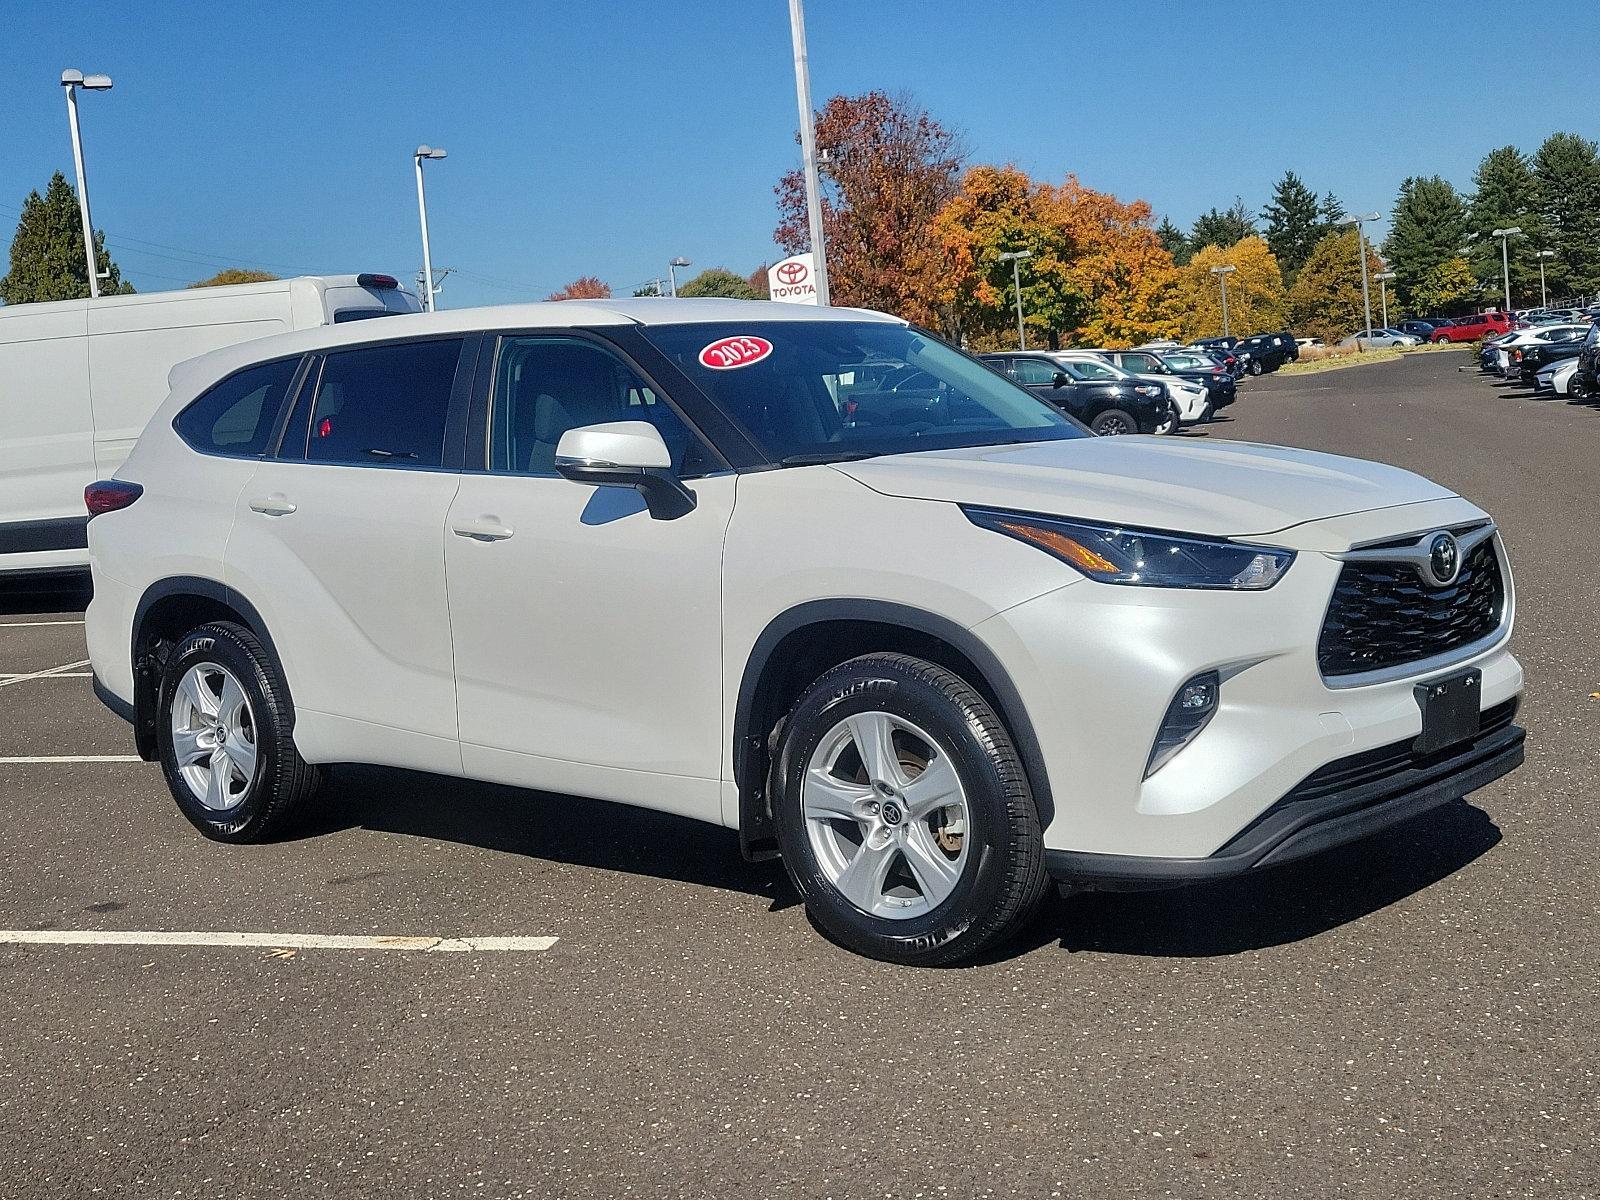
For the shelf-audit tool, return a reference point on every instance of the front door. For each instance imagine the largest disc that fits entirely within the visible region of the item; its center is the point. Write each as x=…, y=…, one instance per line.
x=587, y=633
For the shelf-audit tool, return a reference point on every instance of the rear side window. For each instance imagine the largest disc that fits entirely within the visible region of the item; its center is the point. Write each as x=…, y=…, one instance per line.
x=384, y=405
x=236, y=416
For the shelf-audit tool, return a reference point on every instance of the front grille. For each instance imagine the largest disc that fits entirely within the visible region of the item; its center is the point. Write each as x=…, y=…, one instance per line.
x=1383, y=614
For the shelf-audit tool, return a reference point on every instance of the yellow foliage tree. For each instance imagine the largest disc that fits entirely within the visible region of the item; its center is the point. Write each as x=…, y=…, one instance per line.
x=1257, y=300
x=1326, y=301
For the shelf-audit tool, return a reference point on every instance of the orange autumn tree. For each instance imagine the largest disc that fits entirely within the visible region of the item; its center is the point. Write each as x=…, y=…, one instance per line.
x=997, y=211
x=1096, y=275
x=1118, y=266
x=584, y=287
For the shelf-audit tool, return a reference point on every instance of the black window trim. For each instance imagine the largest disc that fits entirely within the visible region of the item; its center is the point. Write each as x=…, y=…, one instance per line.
x=478, y=453
x=285, y=405
x=461, y=389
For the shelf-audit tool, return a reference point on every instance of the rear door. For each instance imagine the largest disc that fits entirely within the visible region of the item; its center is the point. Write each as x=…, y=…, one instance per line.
x=338, y=541
x=588, y=634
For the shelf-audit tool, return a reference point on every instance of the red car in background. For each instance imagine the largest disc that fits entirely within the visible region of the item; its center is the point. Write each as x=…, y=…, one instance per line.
x=1471, y=329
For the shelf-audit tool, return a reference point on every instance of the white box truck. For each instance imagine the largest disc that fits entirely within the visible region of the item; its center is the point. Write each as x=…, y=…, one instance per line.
x=79, y=379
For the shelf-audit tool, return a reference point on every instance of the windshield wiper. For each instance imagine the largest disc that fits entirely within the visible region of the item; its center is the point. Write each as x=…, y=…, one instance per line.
x=828, y=456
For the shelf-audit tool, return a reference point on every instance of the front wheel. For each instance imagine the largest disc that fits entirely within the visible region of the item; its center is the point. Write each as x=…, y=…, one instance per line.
x=904, y=815
x=1114, y=421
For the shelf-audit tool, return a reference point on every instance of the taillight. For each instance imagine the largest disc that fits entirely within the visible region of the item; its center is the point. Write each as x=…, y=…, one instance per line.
x=109, y=495
x=368, y=280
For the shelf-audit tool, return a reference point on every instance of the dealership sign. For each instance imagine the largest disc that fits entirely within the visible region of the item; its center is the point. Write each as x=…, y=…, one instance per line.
x=793, y=280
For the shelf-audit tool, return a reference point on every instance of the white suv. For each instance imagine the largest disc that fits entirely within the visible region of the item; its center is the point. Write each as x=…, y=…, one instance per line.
x=935, y=646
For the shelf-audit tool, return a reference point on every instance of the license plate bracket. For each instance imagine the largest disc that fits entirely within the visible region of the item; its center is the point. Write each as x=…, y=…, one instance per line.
x=1450, y=711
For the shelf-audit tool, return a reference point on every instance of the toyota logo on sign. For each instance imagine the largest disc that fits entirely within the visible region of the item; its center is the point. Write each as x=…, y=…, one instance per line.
x=791, y=273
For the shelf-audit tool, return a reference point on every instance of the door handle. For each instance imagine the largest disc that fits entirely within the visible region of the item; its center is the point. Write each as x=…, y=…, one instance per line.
x=275, y=505
x=484, y=529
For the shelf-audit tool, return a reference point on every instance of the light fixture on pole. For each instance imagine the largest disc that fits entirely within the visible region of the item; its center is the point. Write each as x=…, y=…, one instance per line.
x=1015, y=257
x=1505, y=235
x=1544, y=299
x=808, y=149
x=71, y=81
x=672, y=272
x=1383, y=278
x=422, y=152
x=1222, y=274
x=1361, y=250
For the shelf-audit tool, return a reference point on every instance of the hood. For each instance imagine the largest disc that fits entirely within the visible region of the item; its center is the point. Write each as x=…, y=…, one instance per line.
x=1176, y=382
x=1224, y=489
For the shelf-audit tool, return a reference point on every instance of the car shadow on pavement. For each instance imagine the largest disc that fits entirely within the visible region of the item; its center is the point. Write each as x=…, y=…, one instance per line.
x=557, y=828
x=1280, y=905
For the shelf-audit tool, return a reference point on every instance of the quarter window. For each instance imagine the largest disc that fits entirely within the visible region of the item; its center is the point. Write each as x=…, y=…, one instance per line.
x=236, y=416
x=1033, y=371
x=384, y=405
x=545, y=386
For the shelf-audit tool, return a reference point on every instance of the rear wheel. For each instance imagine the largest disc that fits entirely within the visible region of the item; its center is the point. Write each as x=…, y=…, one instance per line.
x=1255, y=366
x=1114, y=421
x=904, y=814
x=225, y=736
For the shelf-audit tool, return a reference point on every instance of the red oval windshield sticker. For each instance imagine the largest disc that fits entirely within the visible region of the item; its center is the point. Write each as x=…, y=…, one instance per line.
x=726, y=353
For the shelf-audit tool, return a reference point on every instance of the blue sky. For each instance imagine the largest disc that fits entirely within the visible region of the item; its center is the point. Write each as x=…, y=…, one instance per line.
x=606, y=138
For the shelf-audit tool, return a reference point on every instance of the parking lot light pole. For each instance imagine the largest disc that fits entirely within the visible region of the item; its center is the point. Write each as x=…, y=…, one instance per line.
x=1361, y=249
x=1505, y=236
x=71, y=81
x=1222, y=274
x=1383, y=278
x=672, y=273
x=808, y=149
x=422, y=152
x=1015, y=257
x=1544, y=299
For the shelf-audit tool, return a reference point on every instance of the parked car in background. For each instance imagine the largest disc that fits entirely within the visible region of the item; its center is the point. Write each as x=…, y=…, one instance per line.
x=1586, y=379
x=1204, y=369
x=1470, y=329
x=1559, y=377
x=1490, y=354
x=1108, y=401
x=1265, y=352
x=1528, y=360
x=1421, y=330
x=1508, y=347
x=1192, y=396
x=637, y=551
x=81, y=378
x=1378, y=339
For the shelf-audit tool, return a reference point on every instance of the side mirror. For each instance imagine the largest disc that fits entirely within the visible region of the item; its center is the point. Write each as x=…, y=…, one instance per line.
x=1062, y=379
x=625, y=454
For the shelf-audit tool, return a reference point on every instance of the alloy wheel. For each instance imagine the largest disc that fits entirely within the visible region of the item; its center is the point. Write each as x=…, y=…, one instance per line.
x=214, y=736
x=886, y=815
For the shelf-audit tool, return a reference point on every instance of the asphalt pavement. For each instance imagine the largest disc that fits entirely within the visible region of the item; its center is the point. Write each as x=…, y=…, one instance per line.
x=1412, y=1016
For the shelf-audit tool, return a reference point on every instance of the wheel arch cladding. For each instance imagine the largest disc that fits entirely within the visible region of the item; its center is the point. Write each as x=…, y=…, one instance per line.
x=168, y=609
x=801, y=644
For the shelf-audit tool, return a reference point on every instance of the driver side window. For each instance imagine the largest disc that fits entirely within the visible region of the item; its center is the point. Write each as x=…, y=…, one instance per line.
x=544, y=386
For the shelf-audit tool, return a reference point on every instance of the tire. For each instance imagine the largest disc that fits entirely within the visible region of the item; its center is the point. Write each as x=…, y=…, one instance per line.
x=1170, y=423
x=892, y=905
x=1255, y=366
x=1112, y=422
x=247, y=782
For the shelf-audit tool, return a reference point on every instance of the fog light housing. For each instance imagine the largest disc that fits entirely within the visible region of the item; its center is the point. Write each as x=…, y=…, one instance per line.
x=1191, y=709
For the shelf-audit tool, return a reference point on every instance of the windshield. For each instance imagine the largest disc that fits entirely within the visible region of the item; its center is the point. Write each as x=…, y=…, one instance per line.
x=821, y=391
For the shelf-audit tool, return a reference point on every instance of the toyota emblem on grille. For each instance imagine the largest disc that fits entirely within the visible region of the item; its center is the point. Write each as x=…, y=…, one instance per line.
x=1444, y=558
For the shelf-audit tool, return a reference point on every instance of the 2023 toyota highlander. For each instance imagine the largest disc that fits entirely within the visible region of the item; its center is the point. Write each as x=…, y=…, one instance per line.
x=932, y=643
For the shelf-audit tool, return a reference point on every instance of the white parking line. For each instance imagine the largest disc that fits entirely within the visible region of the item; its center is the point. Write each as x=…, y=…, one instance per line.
x=42, y=674
x=70, y=758
x=22, y=678
x=34, y=624
x=267, y=941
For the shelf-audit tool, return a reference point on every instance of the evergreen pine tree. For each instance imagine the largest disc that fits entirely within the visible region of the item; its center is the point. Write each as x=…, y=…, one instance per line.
x=1294, y=223
x=1507, y=196
x=1567, y=169
x=1429, y=228
x=1173, y=241
x=47, y=251
x=1213, y=228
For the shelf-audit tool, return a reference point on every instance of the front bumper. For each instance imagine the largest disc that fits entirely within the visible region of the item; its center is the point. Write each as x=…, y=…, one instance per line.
x=1346, y=800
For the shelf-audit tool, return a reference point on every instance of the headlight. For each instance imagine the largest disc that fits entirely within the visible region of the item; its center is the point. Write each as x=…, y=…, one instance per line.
x=1147, y=389
x=1142, y=557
